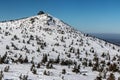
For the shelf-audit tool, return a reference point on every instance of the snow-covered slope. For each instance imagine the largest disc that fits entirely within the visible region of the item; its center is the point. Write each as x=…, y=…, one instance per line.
x=45, y=48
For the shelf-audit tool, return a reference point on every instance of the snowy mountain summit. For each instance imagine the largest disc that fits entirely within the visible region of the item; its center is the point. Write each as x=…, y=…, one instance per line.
x=43, y=47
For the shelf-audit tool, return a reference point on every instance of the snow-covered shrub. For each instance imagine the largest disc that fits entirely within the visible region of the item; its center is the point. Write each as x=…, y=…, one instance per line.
x=95, y=67
x=103, y=55
x=7, y=33
x=72, y=50
x=49, y=65
x=14, y=46
x=38, y=50
x=3, y=58
x=31, y=37
x=15, y=37
x=1, y=75
x=58, y=59
x=111, y=77
x=34, y=71
x=114, y=58
x=76, y=69
x=23, y=77
x=62, y=39
x=63, y=71
x=90, y=64
x=32, y=20
x=113, y=67
x=20, y=59
x=23, y=41
x=66, y=62
x=84, y=62
x=92, y=50
x=6, y=69
x=98, y=78
x=28, y=42
x=46, y=73
x=33, y=66
x=118, y=78
x=0, y=59
x=25, y=60
x=38, y=65
x=68, y=55
x=45, y=58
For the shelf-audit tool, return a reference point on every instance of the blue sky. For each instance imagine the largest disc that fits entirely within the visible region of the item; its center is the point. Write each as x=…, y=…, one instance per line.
x=91, y=16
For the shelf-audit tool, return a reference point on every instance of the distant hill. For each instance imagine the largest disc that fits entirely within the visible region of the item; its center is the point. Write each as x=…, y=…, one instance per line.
x=113, y=38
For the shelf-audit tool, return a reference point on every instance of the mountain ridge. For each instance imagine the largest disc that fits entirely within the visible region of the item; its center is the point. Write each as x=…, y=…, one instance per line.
x=47, y=48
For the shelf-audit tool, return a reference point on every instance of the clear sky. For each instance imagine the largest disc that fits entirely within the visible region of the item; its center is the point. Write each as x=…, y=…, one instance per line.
x=91, y=16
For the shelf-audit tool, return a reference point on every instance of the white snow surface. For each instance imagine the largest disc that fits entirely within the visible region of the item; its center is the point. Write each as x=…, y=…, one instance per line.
x=49, y=30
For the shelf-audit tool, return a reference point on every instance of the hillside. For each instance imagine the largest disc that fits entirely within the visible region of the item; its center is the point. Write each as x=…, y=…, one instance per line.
x=43, y=47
